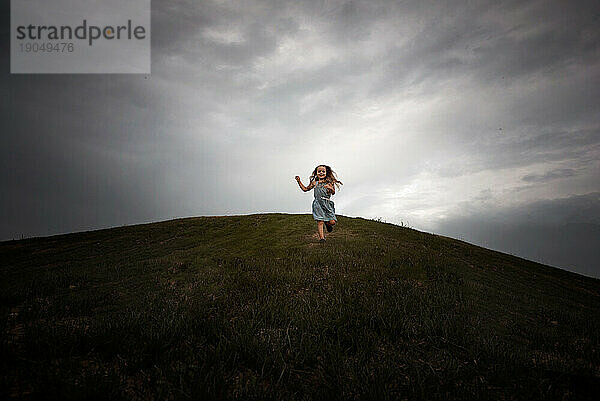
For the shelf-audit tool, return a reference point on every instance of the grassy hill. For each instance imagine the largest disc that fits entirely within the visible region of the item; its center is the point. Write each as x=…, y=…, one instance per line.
x=253, y=307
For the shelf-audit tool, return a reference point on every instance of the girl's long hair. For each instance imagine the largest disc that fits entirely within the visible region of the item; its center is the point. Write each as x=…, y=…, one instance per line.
x=330, y=176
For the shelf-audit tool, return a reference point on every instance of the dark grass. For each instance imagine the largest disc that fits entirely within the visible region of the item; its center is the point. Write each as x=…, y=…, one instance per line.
x=252, y=307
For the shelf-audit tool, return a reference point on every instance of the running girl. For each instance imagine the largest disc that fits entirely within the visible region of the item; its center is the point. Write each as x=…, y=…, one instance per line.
x=324, y=181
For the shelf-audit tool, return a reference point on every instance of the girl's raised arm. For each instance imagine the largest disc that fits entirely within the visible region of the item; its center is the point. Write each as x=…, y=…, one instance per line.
x=305, y=188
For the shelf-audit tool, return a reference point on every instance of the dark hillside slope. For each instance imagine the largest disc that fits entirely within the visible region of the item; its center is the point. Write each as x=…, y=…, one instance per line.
x=253, y=307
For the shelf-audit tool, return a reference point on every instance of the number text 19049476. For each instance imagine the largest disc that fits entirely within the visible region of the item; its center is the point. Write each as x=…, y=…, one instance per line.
x=47, y=47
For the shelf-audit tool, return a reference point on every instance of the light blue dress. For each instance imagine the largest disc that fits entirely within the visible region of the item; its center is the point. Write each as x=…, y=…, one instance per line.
x=322, y=206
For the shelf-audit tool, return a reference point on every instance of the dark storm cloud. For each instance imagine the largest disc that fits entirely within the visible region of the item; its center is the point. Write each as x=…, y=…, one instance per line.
x=67, y=172
x=176, y=22
x=183, y=27
x=79, y=151
x=494, y=41
x=562, y=232
x=543, y=37
x=581, y=148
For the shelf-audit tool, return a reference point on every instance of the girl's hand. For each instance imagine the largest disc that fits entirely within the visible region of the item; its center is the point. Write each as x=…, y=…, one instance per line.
x=329, y=187
x=298, y=178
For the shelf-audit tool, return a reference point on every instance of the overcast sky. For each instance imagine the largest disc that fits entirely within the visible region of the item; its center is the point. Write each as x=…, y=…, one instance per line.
x=478, y=121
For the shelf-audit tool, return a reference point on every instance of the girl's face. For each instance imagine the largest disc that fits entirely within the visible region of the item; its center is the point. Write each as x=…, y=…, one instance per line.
x=321, y=172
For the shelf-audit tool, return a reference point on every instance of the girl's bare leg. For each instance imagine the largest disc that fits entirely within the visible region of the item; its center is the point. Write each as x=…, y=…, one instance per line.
x=320, y=229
